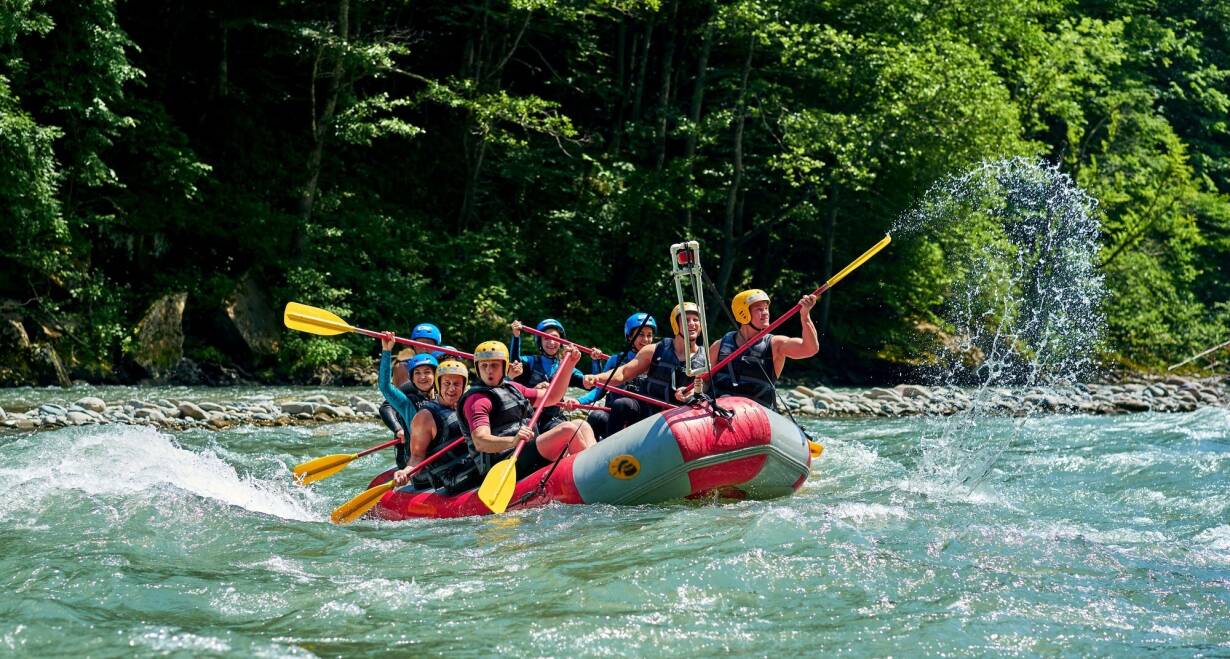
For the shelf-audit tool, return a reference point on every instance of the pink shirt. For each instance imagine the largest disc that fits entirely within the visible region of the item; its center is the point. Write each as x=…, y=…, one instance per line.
x=477, y=409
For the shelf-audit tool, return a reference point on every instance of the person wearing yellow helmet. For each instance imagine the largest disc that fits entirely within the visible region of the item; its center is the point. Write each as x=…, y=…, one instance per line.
x=662, y=363
x=494, y=412
x=754, y=373
x=434, y=426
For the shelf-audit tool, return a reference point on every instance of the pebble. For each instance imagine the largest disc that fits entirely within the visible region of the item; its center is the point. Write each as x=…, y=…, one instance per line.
x=92, y=404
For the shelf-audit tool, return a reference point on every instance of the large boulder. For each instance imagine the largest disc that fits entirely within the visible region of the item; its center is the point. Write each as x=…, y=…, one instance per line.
x=24, y=362
x=160, y=335
x=252, y=314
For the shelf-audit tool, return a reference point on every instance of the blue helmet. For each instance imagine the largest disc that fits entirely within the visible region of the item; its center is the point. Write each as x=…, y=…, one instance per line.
x=637, y=320
x=550, y=323
x=421, y=360
x=427, y=331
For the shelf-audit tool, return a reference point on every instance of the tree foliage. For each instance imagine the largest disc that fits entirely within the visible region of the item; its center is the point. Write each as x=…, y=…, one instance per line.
x=474, y=162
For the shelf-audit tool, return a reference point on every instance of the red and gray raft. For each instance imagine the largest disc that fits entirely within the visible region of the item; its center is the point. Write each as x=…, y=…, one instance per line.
x=687, y=452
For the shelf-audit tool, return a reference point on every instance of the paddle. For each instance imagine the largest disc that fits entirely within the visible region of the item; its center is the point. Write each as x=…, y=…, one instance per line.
x=583, y=406
x=497, y=488
x=354, y=509
x=318, y=321
x=797, y=307
x=544, y=335
x=324, y=467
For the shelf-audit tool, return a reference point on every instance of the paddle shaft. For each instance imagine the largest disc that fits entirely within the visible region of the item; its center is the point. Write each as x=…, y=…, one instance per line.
x=636, y=396
x=544, y=335
x=431, y=458
x=379, y=335
x=391, y=442
x=797, y=307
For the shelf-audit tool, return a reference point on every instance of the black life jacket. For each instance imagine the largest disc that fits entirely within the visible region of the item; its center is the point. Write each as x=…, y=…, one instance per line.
x=636, y=385
x=666, y=373
x=509, y=411
x=751, y=374
x=452, y=468
x=417, y=399
x=540, y=370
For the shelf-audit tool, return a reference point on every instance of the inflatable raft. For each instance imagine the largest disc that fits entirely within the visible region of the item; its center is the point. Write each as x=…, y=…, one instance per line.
x=682, y=453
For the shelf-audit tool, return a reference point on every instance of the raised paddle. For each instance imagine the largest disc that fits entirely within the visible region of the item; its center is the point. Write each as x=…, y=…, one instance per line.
x=798, y=306
x=497, y=488
x=354, y=509
x=544, y=335
x=324, y=467
x=318, y=321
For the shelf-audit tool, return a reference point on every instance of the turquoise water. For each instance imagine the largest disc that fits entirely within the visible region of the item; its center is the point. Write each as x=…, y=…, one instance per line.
x=1089, y=536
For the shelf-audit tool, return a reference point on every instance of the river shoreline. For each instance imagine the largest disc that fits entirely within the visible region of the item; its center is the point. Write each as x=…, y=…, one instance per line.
x=1175, y=394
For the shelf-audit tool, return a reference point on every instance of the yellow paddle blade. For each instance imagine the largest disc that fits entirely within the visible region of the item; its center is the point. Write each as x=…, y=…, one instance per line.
x=322, y=468
x=815, y=448
x=354, y=509
x=859, y=261
x=313, y=321
x=497, y=488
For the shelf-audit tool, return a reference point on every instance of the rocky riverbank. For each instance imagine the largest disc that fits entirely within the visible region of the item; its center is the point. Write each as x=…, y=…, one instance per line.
x=1171, y=395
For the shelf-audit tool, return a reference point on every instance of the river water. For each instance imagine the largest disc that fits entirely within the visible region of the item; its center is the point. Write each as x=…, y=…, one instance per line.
x=1089, y=535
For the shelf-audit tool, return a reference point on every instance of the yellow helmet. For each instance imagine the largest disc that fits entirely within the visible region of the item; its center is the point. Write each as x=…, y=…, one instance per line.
x=687, y=306
x=453, y=367
x=491, y=350
x=741, y=305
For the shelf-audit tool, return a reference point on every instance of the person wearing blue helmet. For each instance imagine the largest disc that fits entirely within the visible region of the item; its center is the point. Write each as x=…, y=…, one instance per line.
x=639, y=330
x=414, y=392
x=427, y=333
x=538, y=369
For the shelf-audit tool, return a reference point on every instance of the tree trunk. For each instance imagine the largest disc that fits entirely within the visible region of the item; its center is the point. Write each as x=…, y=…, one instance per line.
x=642, y=66
x=322, y=124
x=698, y=97
x=664, y=92
x=830, y=225
x=728, y=233
x=621, y=97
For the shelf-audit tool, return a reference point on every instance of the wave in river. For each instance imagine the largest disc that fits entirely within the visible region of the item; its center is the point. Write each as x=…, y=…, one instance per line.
x=122, y=461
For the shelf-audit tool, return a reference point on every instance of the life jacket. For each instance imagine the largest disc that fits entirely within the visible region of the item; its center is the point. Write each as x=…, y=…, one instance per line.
x=636, y=385
x=541, y=369
x=453, y=468
x=417, y=399
x=751, y=374
x=667, y=373
x=509, y=411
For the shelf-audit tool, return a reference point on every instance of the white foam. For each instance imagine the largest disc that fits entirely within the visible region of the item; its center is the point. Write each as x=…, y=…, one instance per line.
x=129, y=459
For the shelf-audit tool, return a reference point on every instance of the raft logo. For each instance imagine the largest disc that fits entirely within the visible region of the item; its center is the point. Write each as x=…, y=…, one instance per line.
x=624, y=467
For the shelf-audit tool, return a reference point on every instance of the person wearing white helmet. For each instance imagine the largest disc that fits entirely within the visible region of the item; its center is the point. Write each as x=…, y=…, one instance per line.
x=662, y=363
x=754, y=373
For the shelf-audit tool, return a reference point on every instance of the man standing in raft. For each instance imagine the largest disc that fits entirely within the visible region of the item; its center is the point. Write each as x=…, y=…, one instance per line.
x=754, y=373
x=663, y=366
x=434, y=426
x=494, y=413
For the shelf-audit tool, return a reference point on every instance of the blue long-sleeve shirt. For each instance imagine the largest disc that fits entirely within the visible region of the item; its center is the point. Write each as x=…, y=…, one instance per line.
x=396, y=398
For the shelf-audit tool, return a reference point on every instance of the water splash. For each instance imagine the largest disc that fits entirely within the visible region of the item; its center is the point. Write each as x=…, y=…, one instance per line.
x=1023, y=308
x=118, y=462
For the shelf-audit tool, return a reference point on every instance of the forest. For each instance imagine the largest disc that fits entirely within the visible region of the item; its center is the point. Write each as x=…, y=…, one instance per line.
x=473, y=163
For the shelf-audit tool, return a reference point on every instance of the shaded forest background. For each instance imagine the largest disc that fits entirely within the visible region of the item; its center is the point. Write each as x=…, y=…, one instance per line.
x=468, y=163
